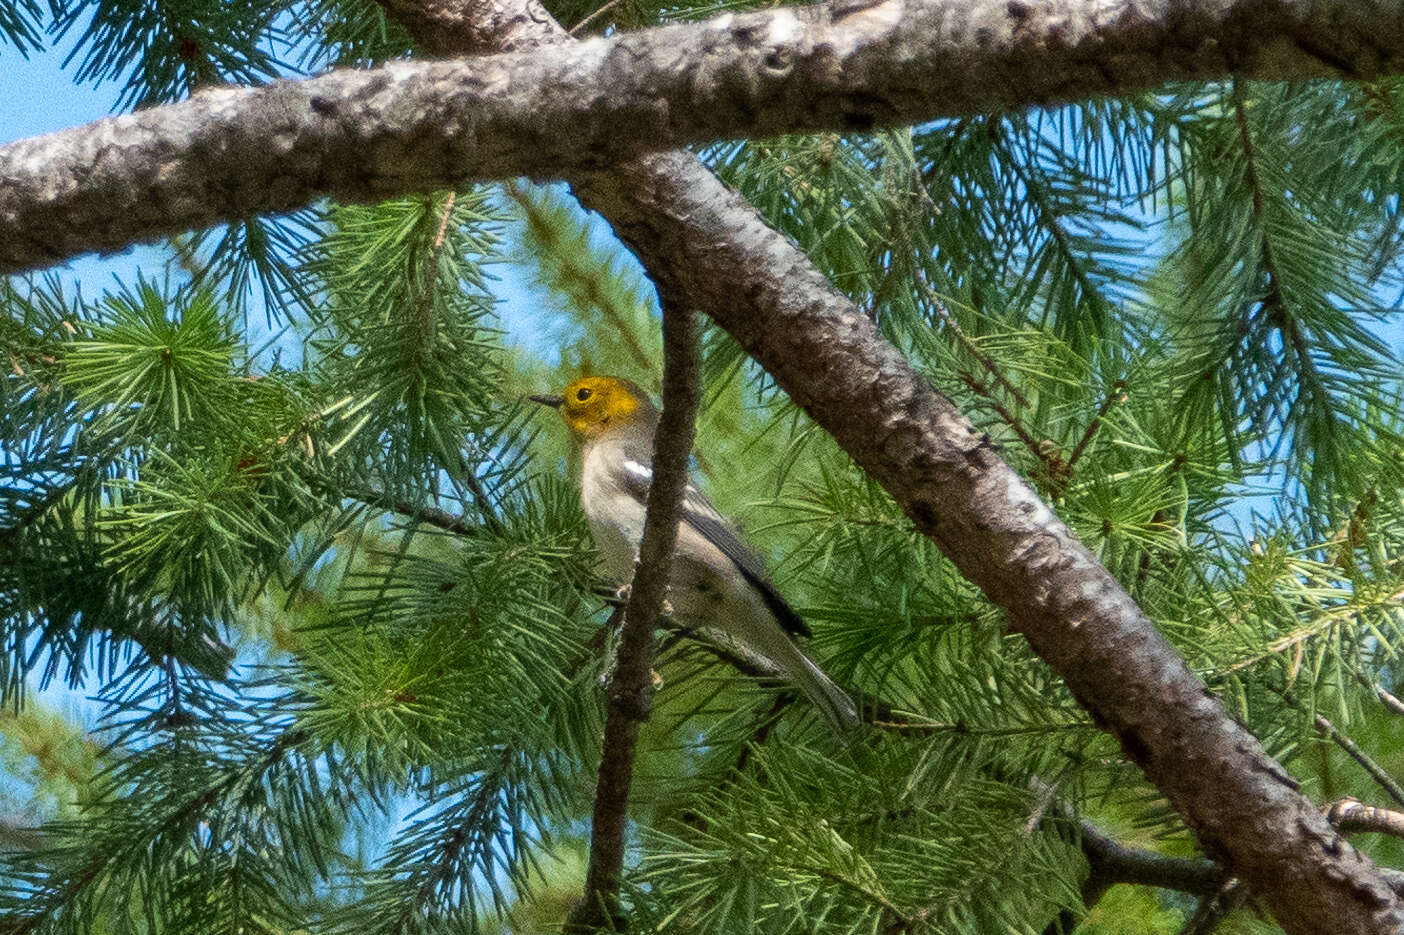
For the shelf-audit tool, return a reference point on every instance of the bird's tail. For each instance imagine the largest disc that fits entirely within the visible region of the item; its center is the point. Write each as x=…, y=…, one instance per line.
x=833, y=702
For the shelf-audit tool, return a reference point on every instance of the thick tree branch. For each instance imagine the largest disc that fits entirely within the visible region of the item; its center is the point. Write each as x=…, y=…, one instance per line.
x=1111, y=863
x=631, y=685
x=847, y=65
x=702, y=241
x=1348, y=816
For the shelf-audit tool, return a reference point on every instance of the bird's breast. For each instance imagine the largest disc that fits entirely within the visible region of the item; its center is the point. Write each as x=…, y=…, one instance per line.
x=705, y=587
x=615, y=517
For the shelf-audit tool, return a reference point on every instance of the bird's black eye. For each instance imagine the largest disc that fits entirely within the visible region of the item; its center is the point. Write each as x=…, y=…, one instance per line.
x=582, y=394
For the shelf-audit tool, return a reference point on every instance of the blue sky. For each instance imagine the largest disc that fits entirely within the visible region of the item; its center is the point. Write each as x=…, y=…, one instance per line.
x=37, y=95
x=40, y=97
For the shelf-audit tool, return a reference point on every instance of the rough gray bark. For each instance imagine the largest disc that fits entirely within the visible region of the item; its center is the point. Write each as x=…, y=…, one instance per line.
x=706, y=247
x=850, y=64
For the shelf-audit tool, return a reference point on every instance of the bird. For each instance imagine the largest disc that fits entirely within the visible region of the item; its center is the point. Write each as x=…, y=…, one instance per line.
x=715, y=582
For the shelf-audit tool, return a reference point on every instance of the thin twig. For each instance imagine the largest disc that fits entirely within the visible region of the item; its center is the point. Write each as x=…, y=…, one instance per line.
x=1158, y=518
x=1045, y=451
x=1339, y=738
x=570, y=266
x=1389, y=700
x=965, y=341
x=481, y=501
x=1377, y=772
x=430, y=268
x=629, y=696
x=1215, y=908
x=575, y=30
x=1114, y=863
x=445, y=213
x=1054, y=465
x=426, y=309
x=760, y=733
x=1273, y=302
x=1117, y=394
x=430, y=516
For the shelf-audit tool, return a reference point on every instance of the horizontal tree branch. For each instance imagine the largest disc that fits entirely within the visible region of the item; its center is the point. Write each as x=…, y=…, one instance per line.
x=1112, y=862
x=1352, y=816
x=418, y=512
x=848, y=65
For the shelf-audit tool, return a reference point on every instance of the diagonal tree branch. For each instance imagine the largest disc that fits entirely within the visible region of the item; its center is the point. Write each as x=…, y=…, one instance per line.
x=706, y=247
x=1109, y=861
x=1383, y=779
x=631, y=685
x=1388, y=699
x=847, y=65
x=700, y=240
x=1348, y=816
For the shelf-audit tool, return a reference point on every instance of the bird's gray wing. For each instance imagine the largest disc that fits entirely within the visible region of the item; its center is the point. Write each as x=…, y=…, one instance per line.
x=698, y=512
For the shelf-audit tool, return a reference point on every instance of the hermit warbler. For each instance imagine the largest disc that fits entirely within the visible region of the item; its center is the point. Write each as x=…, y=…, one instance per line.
x=716, y=581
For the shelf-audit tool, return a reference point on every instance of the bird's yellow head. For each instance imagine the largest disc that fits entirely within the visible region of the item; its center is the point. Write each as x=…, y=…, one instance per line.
x=592, y=406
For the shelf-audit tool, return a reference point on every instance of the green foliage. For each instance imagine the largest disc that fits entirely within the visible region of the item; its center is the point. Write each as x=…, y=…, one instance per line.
x=50, y=767
x=209, y=824
x=1132, y=911
x=149, y=371
x=400, y=343
x=1280, y=307
x=348, y=32
x=604, y=311
x=327, y=582
x=164, y=51
x=255, y=259
x=886, y=856
x=19, y=25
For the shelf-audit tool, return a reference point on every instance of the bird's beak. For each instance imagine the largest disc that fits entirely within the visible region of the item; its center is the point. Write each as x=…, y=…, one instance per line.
x=555, y=402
